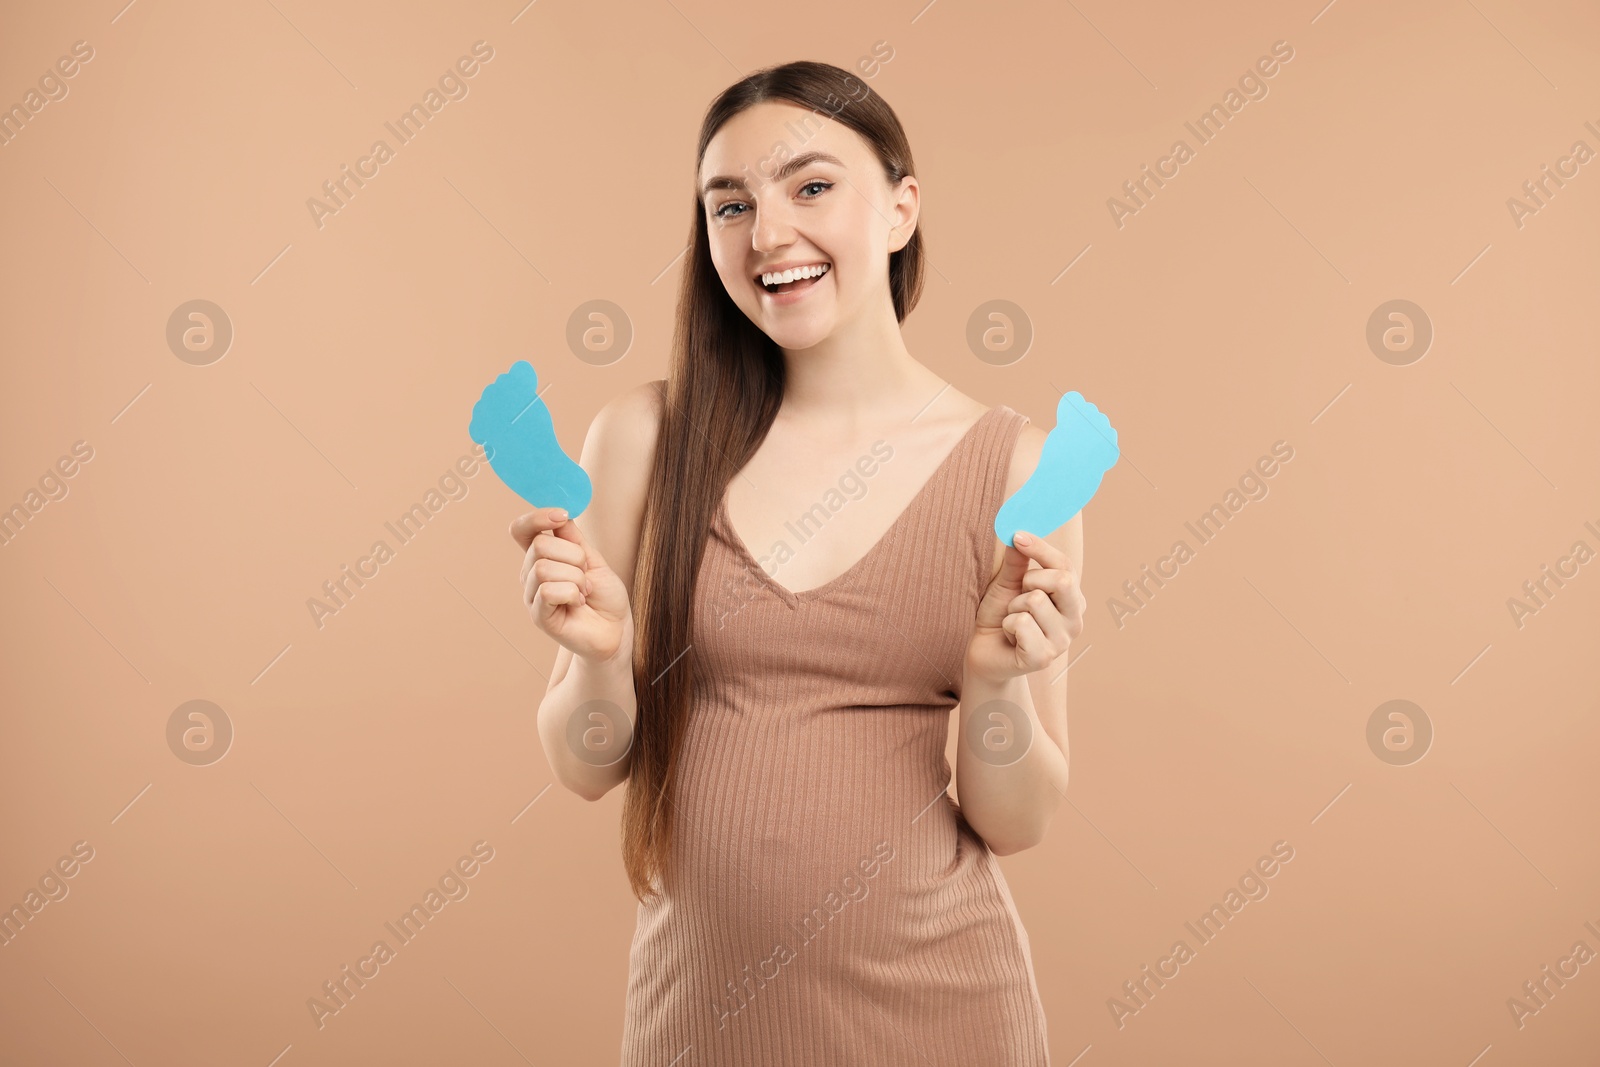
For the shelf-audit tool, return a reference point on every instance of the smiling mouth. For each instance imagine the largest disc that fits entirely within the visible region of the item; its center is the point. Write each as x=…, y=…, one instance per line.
x=794, y=286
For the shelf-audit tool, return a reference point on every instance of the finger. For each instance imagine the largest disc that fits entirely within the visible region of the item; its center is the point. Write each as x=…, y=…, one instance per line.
x=551, y=595
x=533, y=591
x=1068, y=597
x=1012, y=568
x=1062, y=588
x=1033, y=648
x=569, y=533
x=548, y=544
x=1052, y=580
x=550, y=570
x=525, y=526
x=1057, y=630
x=1035, y=547
x=1044, y=610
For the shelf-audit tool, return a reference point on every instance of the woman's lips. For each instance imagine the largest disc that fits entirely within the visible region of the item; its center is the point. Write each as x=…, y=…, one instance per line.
x=796, y=291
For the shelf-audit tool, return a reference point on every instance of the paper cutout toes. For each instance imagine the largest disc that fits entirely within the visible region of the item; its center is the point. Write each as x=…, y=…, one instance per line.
x=519, y=440
x=1077, y=454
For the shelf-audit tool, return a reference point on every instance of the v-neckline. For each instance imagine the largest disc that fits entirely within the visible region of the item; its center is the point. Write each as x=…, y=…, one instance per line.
x=793, y=598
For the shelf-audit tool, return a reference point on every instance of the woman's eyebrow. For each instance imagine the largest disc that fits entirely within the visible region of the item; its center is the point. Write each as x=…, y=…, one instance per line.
x=804, y=159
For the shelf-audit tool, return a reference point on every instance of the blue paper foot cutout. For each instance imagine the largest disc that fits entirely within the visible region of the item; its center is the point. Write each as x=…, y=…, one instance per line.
x=1077, y=454
x=519, y=440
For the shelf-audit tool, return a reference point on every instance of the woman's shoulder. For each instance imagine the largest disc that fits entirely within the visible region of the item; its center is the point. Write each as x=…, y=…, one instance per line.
x=644, y=400
x=1025, y=447
x=963, y=410
x=625, y=428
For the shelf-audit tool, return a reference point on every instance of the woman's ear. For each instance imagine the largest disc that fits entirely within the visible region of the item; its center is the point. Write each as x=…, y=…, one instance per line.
x=905, y=205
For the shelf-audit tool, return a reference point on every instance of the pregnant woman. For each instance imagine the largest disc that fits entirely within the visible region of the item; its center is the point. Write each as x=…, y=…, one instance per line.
x=786, y=580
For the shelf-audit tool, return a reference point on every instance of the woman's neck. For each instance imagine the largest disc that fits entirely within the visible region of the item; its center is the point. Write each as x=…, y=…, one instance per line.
x=856, y=377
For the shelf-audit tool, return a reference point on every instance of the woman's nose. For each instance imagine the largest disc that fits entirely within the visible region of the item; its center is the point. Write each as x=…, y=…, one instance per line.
x=773, y=228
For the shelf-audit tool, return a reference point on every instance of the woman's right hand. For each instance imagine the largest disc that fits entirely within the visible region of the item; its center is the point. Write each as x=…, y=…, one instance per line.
x=569, y=591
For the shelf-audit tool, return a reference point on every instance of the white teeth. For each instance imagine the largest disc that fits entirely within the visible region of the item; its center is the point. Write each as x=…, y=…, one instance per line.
x=784, y=277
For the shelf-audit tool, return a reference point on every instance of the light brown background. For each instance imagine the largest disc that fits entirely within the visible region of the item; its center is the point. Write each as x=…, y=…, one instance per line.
x=1228, y=314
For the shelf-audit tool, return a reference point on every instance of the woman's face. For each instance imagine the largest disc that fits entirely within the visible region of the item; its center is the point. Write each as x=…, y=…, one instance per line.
x=835, y=208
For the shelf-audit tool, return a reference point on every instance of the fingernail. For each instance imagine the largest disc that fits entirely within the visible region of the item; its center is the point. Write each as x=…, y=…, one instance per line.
x=559, y=514
x=1022, y=539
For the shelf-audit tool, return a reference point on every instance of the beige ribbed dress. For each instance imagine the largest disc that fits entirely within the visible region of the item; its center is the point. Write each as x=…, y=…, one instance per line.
x=826, y=903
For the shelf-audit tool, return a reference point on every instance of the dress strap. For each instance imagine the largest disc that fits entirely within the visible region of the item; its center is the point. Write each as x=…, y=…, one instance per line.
x=988, y=486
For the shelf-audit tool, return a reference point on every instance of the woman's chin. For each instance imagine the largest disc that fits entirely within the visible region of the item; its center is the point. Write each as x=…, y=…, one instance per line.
x=797, y=336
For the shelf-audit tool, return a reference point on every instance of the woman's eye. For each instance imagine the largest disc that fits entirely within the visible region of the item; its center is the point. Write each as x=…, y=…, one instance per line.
x=722, y=212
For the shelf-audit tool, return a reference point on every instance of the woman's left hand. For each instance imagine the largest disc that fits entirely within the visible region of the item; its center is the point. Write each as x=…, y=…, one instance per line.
x=1028, y=615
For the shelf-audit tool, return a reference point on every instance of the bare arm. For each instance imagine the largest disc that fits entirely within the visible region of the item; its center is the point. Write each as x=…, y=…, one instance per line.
x=1011, y=804
x=586, y=717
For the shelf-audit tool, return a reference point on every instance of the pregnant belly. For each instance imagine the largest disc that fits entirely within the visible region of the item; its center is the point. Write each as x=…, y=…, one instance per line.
x=787, y=820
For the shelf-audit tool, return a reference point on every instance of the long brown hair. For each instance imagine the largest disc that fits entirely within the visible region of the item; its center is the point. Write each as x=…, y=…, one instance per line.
x=724, y=387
